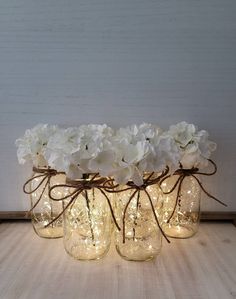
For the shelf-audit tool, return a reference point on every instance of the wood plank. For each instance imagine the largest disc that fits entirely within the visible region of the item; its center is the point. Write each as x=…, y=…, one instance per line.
x=202, y=267
x=219, y=216
x=14, y=215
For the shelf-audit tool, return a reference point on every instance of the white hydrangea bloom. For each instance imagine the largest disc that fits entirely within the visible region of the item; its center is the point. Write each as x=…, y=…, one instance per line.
x=135, y=153
x=182, y=133
x=93, y=139
x=125, y=154
x=61, y=147
x=94, y=154
x=166, y=153
x=32, y=146
x=195, y=147
x=81, y=150
x=103, y=163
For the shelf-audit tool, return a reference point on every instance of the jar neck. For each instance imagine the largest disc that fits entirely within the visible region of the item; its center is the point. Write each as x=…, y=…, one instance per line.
x=86, y=177
x=43, y=170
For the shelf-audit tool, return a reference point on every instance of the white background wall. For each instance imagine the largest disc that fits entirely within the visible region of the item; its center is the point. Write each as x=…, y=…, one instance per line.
x=120, y=62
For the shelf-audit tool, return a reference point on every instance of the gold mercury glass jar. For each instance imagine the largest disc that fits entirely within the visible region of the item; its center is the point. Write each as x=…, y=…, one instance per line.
x=46, y=209
x=142, y=240
x=184, y=222
x=87, y=224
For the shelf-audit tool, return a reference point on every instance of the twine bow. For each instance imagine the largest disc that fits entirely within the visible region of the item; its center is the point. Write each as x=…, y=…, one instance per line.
x=46, y=174
x=82, y=186
x=149, y=181
x=183, y=173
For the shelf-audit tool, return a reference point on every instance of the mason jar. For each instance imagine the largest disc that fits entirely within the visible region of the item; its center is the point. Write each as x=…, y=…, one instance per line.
x=44, y=209
x=140, y=238
x=87, y=222
x=181, y=215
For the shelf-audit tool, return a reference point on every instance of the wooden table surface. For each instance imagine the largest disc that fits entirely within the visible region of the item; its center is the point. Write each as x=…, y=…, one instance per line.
x=200, y=268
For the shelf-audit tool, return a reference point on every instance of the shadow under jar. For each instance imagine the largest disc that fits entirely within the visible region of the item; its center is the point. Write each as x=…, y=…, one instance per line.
x=44, y=209
x=181, y=214
x=87, y=223
x=140, y=238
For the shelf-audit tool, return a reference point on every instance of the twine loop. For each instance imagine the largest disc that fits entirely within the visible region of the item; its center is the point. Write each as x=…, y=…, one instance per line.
x=182, y=173
x=82, y=186
x=149, y=181
x=45, y=174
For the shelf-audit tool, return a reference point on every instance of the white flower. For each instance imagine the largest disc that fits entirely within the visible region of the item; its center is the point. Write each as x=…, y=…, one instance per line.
x=128, y=173
x=103, y=163
x=125, y=154
x=33, y=144
x=166, y=153
x=133, y=147
x=61, y=147
x=74, y=172
x=93, y=139
x=195, y=148
x=206, y=146
x=182, y=133
x=81, y=150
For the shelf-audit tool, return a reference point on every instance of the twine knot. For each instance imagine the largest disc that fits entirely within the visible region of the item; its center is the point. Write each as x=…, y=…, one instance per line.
x=81, y=186
x=45, y=174
x=182, y=173
x=136, y=190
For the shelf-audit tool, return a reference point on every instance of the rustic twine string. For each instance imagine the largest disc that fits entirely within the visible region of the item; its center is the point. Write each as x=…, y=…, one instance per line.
x=82, y=186
x=149, y=181
x=107, y=185
x=182, y=173
x=46, y=174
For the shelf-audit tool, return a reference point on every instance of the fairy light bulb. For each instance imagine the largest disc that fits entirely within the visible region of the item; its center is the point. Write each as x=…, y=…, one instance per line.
x=185, y=220
x=87, y=226
x=46, y=209
x=142, y=235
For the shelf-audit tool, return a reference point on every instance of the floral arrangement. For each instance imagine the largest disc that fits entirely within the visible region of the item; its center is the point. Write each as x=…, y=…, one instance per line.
x=125, y=154
x=74, y=166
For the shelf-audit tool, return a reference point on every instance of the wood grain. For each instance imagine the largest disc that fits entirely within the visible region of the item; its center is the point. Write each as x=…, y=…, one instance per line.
x=203, y=267
x=14, y=215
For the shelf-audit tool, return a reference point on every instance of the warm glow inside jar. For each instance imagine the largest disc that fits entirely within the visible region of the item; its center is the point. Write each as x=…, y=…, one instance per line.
x=142, y=239
x=46, y=209
x=185, y=221
x=87, y=224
